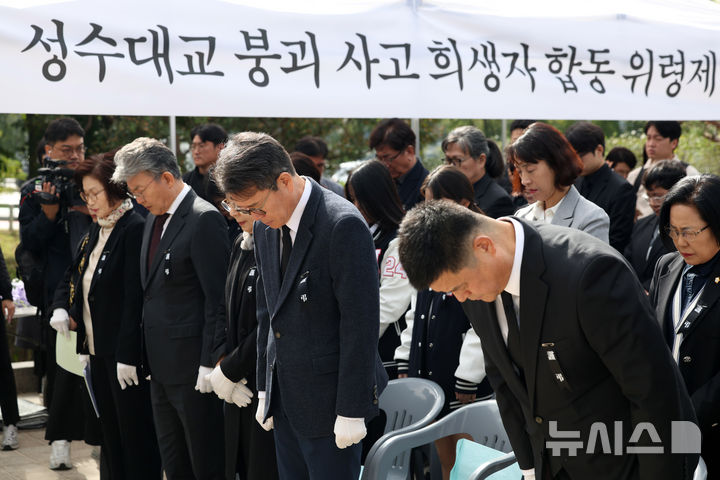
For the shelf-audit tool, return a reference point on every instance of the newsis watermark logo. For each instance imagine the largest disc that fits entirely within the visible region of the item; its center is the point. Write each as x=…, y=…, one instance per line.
x=685, y=438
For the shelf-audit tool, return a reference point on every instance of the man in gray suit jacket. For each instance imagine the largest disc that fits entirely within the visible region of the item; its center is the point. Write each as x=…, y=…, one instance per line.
x=572, y=348
x=184, y=255
x=319, y=373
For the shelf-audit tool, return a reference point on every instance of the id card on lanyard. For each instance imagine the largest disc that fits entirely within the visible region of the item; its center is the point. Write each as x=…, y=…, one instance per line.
x=680, y=319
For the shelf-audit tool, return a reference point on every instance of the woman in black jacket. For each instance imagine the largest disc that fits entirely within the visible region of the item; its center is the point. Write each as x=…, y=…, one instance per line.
x=685, y=291
x=104, y=305
x=249, y=449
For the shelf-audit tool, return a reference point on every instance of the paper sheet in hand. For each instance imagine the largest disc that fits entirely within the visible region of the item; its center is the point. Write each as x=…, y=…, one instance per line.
x=65, y=353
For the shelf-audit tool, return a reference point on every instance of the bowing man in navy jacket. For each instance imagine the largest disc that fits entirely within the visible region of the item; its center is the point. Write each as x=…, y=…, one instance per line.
x=319, y=374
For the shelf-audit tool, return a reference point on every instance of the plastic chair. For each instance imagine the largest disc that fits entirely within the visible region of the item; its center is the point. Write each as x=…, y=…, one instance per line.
x=410, y=404
x=481, y=420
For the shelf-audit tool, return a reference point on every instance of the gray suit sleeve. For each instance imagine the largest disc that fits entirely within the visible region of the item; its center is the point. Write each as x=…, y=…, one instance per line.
x=210, y=251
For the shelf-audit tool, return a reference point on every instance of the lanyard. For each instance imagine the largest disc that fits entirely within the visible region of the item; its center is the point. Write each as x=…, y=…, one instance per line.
x=679, y=318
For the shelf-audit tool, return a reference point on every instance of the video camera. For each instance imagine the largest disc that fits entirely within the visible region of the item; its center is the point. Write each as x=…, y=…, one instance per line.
x=61, y=177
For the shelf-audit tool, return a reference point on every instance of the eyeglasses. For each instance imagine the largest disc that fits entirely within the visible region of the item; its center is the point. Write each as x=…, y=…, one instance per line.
x=387, y=159
x=455, y=161
x=90, y=196
x=140, y=192
x=653, y=198
x=199, y=146
x=67, y=150
x=230, y=207
x=688, y=235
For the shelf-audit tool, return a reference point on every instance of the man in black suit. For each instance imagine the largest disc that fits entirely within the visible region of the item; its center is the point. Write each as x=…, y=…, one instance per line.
x=319, y=374
x=569, y=337
x=394, y=144
x=646, y=246
x=182, y=262
x=599, y=184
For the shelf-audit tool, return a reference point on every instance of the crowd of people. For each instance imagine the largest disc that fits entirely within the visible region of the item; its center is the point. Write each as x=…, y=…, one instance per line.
x=242, y=320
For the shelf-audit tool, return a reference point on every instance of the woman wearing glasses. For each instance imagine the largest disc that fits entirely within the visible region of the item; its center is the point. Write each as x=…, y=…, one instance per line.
x=104, y=305
x=481, y=161
x=685, y=291
x=547, y=166
x=645, y=246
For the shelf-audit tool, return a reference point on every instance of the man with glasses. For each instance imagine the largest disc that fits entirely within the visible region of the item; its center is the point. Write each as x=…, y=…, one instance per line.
x=646, y=246
x=51, y=228
x=185, y=252
x=319, y=374
x=394, y=144
x=207, y=141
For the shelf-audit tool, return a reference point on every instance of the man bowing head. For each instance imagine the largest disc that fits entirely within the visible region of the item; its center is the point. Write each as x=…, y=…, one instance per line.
x=319, y=374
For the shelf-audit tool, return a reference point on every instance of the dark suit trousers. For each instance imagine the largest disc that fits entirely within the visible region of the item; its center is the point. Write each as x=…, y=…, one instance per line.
x=249, y=449
x=189, y=427
x=302, y=458
x=8, y=391
x=129, y=443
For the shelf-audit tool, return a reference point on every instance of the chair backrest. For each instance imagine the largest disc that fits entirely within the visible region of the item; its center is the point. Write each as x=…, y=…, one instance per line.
x=409, y=404
x=481, y=420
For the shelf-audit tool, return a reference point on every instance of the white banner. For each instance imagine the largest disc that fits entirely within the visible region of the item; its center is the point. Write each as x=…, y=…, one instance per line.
x=618, y=60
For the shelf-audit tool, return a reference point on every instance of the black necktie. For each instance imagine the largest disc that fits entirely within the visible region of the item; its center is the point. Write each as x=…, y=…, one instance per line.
x=513, y=338
x=156, y=235
x=286, y=249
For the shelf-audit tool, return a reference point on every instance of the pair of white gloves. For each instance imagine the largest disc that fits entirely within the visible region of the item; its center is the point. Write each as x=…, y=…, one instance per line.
x=214, y=380
x=126, y=374
x=348, y=431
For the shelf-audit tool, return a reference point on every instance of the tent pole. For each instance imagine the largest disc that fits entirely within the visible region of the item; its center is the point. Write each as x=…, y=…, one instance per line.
x=173, y=135
x=503, y=133
x=415, y=125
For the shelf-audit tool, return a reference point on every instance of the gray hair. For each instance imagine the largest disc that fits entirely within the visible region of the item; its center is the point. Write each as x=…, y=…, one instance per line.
x=473, y=142
x=144, y=155
x=251, y=160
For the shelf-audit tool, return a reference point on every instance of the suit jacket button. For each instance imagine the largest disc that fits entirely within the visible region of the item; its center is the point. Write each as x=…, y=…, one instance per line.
x=538, y=420
x=687, y=359
x=277, y=335
x=430, y=345
x=375, y=402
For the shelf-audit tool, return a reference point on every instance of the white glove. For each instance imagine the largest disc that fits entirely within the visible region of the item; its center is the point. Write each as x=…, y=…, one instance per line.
x=202, y=385
x=84, y=360
x=241, y=394
x=221, y=385
x=268, y=425
x=60, y=321
x=127, y=375
x=528, y=474
x=349, y=431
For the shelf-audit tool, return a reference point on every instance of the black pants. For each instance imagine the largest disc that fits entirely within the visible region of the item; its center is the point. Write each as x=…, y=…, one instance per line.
x=129, y=444
x=8, y=390
x=249, y=449
x=189, y=427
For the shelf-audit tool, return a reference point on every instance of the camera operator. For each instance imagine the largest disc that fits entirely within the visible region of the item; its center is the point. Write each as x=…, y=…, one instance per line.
x=53, y=219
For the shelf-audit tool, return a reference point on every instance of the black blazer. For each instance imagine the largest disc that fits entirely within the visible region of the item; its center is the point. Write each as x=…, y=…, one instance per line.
x=637, y=250
x=492, y=198
x=580, y=300
x=241, y=343
x=615, y=195
x=115, y=296
x=183, y=309
x=699, y=358
x=409, y=189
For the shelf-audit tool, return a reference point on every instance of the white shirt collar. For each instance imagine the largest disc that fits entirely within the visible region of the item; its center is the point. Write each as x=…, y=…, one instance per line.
x=513, y=286
x=180, y=196
x=542, y=214
x=294, y=222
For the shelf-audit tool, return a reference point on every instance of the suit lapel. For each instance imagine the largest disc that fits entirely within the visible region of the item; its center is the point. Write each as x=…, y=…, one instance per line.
x=271, y=259
x=174, y=226
x=708, y=298
x=566, y=210
x=303, y=239
x=667, y=284
x=533, y=296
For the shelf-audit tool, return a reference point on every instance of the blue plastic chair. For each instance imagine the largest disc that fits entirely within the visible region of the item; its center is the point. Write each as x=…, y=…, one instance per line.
x=481, y=420
x=410, y=404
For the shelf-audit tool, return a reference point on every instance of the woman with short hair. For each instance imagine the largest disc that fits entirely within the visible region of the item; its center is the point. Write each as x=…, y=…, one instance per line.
x=547, y=166
x=105, y=307
x=685, y=291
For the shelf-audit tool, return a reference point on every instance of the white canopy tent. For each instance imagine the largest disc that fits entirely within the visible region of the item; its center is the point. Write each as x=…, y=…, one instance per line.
x=446, y=59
